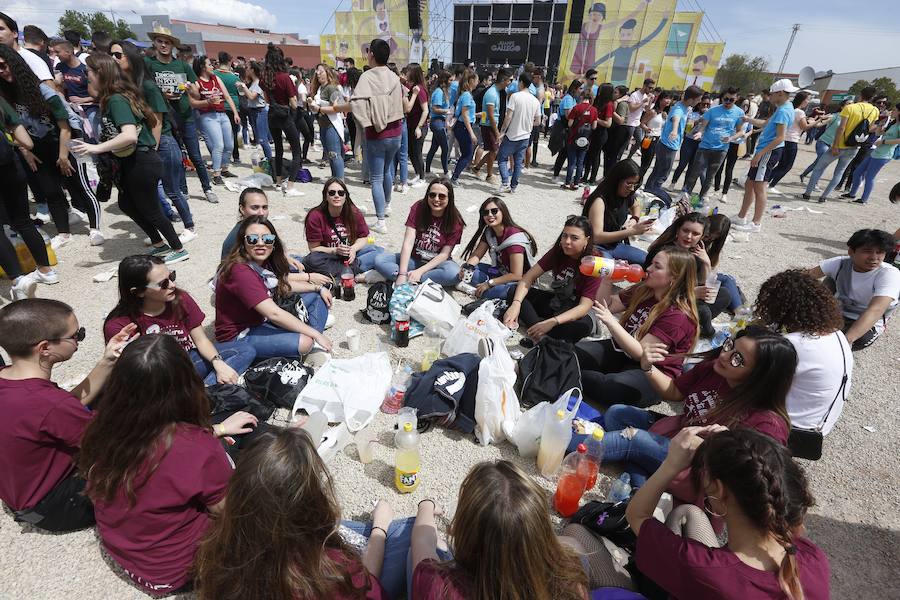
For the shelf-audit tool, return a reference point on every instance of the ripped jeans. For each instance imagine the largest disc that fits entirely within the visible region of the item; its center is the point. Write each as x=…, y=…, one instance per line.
x=334, y=151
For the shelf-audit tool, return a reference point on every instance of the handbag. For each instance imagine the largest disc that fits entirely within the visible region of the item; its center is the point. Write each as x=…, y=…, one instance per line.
x=293, y=304
x=279, y=111
x=277, y=381
x=608, y=520
x=432, y=304
x=807, y=443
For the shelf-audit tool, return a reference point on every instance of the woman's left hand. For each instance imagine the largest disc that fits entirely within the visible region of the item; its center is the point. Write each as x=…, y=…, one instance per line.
x=326, y=296
x=418, y=132
x=602, y=312
x=238, y=423
x=82, y=148
x=539, y=330
x=684, y=445
x=224, y=373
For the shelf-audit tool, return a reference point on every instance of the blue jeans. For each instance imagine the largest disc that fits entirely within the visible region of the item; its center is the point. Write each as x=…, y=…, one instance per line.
x=365, y=154
x=192, y=145
x=867, y=170
x=623, y=251
x=466, y=149
x=821, y=148
x=438, y=140
x=271, y=341
x=260, y=118
x=517, y=151
x=729, y=283
x=843, y=159
x=334, y=151
x=575, y=163
x=706, y=164
x=482, y=273
x=665, y=156
x=218, y=135
x=379, y=158
x=446, y=273
x=689, y=147
x=365, y=258
x=173, y=172
x=237, y=354
x=401, y=159
x=396, y=550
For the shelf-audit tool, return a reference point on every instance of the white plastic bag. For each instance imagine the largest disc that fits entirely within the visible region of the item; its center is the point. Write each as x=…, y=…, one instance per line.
x=527, y=434
x=496, y=403
x=666, y=218
x=432, y=304
x=259, y=180
x=480, y=325
x=348, y=390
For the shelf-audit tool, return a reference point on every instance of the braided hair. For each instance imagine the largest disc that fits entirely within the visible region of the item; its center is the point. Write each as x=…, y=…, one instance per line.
x=770, y=488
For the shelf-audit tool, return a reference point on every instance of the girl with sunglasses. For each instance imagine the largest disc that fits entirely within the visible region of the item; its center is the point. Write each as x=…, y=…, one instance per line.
x=433, y=228
x=510, y=249
x=149, y=298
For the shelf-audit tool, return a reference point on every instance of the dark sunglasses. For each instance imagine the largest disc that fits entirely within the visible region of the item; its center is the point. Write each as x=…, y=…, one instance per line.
x=728, y=100
x=737, y=359
x=490, y=211
x=267, y=238
x=334, y=193
x=438, y=195
x=164, y=284
x=117, y=55
x=77, y=337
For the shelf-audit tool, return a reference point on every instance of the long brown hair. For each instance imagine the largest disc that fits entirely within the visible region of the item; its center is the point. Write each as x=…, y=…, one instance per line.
x=277, y=262
x=152, y=390
x=451, y=217
x=507, y=222
x=348, y=210
x=277, y=537
x=132, y=276
x=668, y=237
x=504, y=543
x=111, y=80
x=330, y=76
x=680, y=294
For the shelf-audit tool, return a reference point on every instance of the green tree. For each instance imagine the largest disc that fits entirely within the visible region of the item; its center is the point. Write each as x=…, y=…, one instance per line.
x=748, y=74
x=87, y=23
x=884, y=85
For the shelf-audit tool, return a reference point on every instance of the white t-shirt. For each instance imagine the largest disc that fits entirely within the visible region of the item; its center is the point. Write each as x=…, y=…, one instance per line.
x=524, y=108
x=794, y=132
x=883, y=281
x=634, y=116
x=655, y=124
x=301, y=90
x=818, y=379
x=335, y=118
x=36, y=64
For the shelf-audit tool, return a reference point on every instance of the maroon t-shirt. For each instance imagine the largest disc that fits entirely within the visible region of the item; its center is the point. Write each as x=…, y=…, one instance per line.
x=506, y=253
x=433, y=582
x=429, y=241
x=320, y=232
x=282, y=90
x=178, y=323
x=581, y=114
x=690, y=570
x=673, y=328
x=42, y=427
x=236, y=297
x=415, y=113
x=155, y=539
x=393, y=129
x=567, y=269
x=360, y=577
x=607, y=111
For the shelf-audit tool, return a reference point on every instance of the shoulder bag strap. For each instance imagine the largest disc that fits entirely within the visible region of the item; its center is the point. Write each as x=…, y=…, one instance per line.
x=335, y=229
x=842, y=389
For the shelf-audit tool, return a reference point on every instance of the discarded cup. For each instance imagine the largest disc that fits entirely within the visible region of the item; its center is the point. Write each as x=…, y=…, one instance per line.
x=353, y=340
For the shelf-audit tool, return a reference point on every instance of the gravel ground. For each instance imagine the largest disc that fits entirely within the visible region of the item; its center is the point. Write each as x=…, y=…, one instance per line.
x=856, y=483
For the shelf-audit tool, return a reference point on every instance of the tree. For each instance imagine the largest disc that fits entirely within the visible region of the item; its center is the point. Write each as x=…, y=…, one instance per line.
x=748, y=74
x=87, y=23
x=884, y=85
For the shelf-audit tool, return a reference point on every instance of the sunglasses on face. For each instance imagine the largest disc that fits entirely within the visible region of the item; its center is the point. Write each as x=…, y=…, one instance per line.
x=737, y=359
x=339, y=193
x=164, y=284
x=117, y=55
x=727, y=100
x=632, y=186
x=436, y=196
x=78, y=336
x=253, y=239
x=490, y=211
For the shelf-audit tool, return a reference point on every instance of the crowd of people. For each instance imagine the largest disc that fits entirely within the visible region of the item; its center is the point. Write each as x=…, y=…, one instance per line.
x=139, y=455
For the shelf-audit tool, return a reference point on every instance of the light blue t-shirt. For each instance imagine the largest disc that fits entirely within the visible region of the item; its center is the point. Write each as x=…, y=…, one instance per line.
x=491, y=97
x=454, y=92
x=678, y=110
x=466, y=100
x=827, y=136
x=565, y=104
x=513, y=86
x=721, y=123
x=439, y=100
x=784, y=115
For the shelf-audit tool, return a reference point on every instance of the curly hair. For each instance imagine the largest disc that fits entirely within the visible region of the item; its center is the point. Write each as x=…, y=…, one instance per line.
x=793, y=301
x=25, y=87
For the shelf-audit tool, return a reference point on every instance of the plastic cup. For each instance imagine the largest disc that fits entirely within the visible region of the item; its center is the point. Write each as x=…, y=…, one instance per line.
x=712, y=290
x=353, y=340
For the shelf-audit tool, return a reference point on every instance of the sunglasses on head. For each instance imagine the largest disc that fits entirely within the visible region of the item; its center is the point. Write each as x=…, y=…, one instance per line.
x=78, y=336
x=340, y=193
x=117, y=55
x=489, y=211
x=254, y=238
x=437, y=195
x=737, y=359
x=164, y=284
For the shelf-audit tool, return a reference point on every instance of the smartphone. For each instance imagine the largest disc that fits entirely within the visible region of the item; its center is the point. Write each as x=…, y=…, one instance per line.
x=646, y=219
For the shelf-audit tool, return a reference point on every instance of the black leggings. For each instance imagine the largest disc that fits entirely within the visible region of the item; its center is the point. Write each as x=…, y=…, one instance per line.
x=235, y=128
x=14, y=211
x=47, y=182
x=611, y=377
x=728, y=167
x=305, y=127
x=285, y=125
x=592, y=160
x=708, y=312
x=415, y=148
x=615, y=143
x=647, y=155
x=536, y=308
x=140, y=174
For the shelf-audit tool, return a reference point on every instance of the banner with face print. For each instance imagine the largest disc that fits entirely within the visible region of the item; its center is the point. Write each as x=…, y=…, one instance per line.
x=384, y=19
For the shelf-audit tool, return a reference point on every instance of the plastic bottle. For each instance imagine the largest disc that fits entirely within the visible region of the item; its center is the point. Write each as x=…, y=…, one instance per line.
x=600, y=266
x=572, y=482
x=720, y=337
x=585, y=194
x=433, y=341
x=401, y=330
x=23, y=254
x=254, y=161
x=555, y=437
x=695, y=201
x=742, y=316
x=594, y=445
x=393, y=400
x=348, y=282
x=620, y=489
x=407, y=462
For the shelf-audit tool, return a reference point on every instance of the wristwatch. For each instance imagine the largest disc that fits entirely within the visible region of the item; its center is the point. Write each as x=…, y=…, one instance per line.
x=490, y=283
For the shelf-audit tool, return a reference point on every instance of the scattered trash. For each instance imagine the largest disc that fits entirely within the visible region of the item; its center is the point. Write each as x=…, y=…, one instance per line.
x=105, y=276
x=869, y=428
x=259, y=180
x=277, y=217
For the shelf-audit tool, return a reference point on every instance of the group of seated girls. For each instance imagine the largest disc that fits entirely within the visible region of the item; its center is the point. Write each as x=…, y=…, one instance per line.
x=173, y=510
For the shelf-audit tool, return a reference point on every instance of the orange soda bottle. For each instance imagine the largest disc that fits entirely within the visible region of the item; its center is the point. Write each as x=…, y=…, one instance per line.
x=572, y=482
x=600, y=266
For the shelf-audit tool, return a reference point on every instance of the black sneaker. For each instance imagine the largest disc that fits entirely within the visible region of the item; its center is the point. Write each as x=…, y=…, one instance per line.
x=217, y=180
x=228, y=174
x=805, y=196
x=860, y=201
x=821, y=200
x=848, y=195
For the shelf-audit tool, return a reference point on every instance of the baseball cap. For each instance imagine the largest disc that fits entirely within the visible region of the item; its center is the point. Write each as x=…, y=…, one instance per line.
x=784, y=85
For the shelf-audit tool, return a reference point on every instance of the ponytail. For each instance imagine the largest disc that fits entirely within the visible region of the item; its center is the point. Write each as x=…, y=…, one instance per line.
x=789, y=572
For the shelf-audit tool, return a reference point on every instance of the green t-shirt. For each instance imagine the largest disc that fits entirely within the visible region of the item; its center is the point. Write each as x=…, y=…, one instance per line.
x=171, y=77
x=827, y=136
x=886, y=151
x=118, y=113
x=10, y=118
x=157, y=103
x=230, y=80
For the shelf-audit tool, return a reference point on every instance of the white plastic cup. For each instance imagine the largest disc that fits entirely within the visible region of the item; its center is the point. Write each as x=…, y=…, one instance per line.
x=353, y=340
x=712, y=290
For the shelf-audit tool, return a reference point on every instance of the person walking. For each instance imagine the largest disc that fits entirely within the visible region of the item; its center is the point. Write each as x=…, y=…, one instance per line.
x=885, y=149
x=522, y=111
x=582, y=123
x=670, y=140
x=281, y=94
x=792, y=139
x=439, y=109
x=605, y=106
x=214, y=119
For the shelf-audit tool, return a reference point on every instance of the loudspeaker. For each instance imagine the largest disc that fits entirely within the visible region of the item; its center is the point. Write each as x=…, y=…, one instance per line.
x=577, y=16
x=415, y=14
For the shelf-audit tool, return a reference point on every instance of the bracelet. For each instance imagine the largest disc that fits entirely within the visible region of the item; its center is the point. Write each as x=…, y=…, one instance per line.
x=433, y=504
x=402, y=274
x=647, y=370
x=383, y=530
x=216, y=357
x=519, y=301
x=557, y=320
x=216, y=431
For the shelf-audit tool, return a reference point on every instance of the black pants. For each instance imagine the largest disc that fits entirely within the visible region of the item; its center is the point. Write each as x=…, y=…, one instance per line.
x=47, y=181
x=235, y=129
x=751, y=144
x=244, y=113
x=65, y=508
x=560, y=161
x=285, y=125
x=728, y=167
x=647, y=155
x=847, y=177
x=14, y=211
x=415, y=148
x=865, y=340
x=536, y=307
x=686, y=156
x=305, y=126
x=611, y=377
x=708, y=312
x=595, y=149
x=351, y=129
x=615, y=145
x=83, y=198
x=140, y=174
x=535, y=138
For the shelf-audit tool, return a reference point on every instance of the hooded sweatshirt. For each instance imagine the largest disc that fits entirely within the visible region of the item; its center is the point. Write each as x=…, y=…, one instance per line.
x=378, y=102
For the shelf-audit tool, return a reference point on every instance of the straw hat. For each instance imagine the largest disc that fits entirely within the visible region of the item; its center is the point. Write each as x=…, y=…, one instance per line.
x=163, y=32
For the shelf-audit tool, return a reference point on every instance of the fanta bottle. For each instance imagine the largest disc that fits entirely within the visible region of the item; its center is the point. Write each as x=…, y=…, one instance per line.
x=407, y=462
x=572, y=482
x=600, y=266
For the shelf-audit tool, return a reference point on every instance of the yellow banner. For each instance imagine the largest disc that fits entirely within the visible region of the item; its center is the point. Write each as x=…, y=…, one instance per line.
x=679, y=49
x=369, y=19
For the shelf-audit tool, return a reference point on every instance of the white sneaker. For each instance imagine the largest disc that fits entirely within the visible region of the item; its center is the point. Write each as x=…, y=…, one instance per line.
x=724, y=199
x=48, y=278
x=58, y=241
x=187, y=236
x=23, y=287
x=76, y=216
x=557, y=179
x=372, y=276
x=43, y=217
x=211, y=196
x=387, y=209
x=97, y=238
x=776, y=191
x=329, y=322
x=504, y=188
x=414, y=180
x=401, y=189
x=379, y=227
x=419, y=183
x=749, y=227
x=293, y=192
x=736, y=220
x=465, y=288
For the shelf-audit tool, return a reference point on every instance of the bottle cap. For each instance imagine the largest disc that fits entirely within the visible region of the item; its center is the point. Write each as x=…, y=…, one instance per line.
x=560, y=414
x=598, y=434
x=581, y=448
x=407, y=427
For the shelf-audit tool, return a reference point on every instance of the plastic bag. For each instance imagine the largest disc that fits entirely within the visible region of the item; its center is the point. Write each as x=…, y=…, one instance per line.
x=496, y=403
x=259, y=180
x=433, y=304
x=666, y=218
x=527, y=434
x=468, y=332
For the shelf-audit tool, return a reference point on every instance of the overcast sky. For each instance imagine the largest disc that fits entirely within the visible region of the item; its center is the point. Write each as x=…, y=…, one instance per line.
x=830, y=37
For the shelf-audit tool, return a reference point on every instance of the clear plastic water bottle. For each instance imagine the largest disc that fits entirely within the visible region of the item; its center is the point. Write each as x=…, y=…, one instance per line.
x=742, y=317
x=555, y=437
x=720, y=337
x=393, y=400
x=620, y=489
x=433, y=342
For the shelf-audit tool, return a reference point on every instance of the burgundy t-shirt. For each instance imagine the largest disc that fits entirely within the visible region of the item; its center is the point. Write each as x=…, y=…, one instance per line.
x=42, y=427
x=236, y=297
x=506, y=253
x=565, y=270
x=689, y=570
x=167, y=322
x=320, y=232
x=155, y=539
x=282, y=90
x=673, y=328
x=607, y=111
x=433, y=582
x=582, y=114
x=429, y=241
x=415, y=113
x=360, y=578
x=393, y=129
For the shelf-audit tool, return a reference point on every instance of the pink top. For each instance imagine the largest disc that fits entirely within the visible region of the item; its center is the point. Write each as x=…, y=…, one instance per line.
x=565, y=270
x=673, y=328
x=320, y=232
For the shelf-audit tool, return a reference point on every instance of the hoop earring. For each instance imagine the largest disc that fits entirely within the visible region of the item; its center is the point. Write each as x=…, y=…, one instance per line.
x=707, y=506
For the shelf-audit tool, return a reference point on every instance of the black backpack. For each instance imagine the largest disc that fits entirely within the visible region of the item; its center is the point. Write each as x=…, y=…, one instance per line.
x=278, y=381
x=548, y=370
x=860, y=133
x=378, y=301
x=225, y=398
